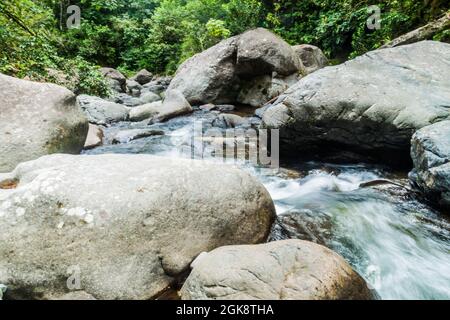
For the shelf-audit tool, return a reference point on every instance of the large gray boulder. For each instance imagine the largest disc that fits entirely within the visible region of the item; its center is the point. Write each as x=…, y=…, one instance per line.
x=368, y=106
x=430, y=152
x=120, y=226
x=143, y=77
x=100, y=111
x=281, y=270
x=209, y=76
x=37, y=119
x=311, y=57
x=260, y=52
x=117, y=81
x=217, y=74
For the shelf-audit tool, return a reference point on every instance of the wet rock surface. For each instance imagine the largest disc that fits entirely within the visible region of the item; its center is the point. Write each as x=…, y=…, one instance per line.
x=134, y=134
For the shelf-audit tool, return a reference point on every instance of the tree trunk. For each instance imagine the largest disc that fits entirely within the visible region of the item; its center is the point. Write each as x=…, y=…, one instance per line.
x=422, y=33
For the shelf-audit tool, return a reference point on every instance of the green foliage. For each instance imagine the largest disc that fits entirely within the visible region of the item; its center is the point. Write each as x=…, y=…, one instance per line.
x=26, y=46
x=443, y=36
x=111, y=32
x=340, y=27
x=85, y=77
x=160, y=34
x=161, y=50
x=179, y=29
x=30, y=44
x=244, y=15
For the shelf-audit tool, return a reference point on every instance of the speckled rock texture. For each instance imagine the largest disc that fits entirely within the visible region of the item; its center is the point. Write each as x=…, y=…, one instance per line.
x=281, y=270
x=120, y=226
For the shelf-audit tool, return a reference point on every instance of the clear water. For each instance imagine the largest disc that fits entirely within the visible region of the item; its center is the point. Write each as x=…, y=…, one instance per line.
x=399, y=245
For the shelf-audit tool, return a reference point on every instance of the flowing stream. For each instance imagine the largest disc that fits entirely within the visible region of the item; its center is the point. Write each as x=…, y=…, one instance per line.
x=398, y=244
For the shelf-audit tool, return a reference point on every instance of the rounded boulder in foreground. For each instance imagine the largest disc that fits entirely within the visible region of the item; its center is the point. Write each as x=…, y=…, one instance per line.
x=281, y=270
x=125, y=225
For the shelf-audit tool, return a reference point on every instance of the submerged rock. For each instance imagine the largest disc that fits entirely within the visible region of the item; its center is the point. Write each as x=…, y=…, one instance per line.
x=230, y=121
x=128, y=225
x=368, y=107
x=431, y=156
x=157, y=85
x=225, y=107
x=100, y=111
x=303, y=225
x=153, y=87
x=208, y=107
x=94, y=137
x=281, y=270
x=134, y=134
x=219, y=107
x=37, y=119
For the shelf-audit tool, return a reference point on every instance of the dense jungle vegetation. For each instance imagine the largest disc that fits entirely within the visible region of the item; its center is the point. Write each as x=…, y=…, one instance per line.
x=159, y=34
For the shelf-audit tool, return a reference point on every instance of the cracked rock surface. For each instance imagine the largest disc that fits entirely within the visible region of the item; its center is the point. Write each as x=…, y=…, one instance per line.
x=124, y=226
x=370, y=106
x=289, y=269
